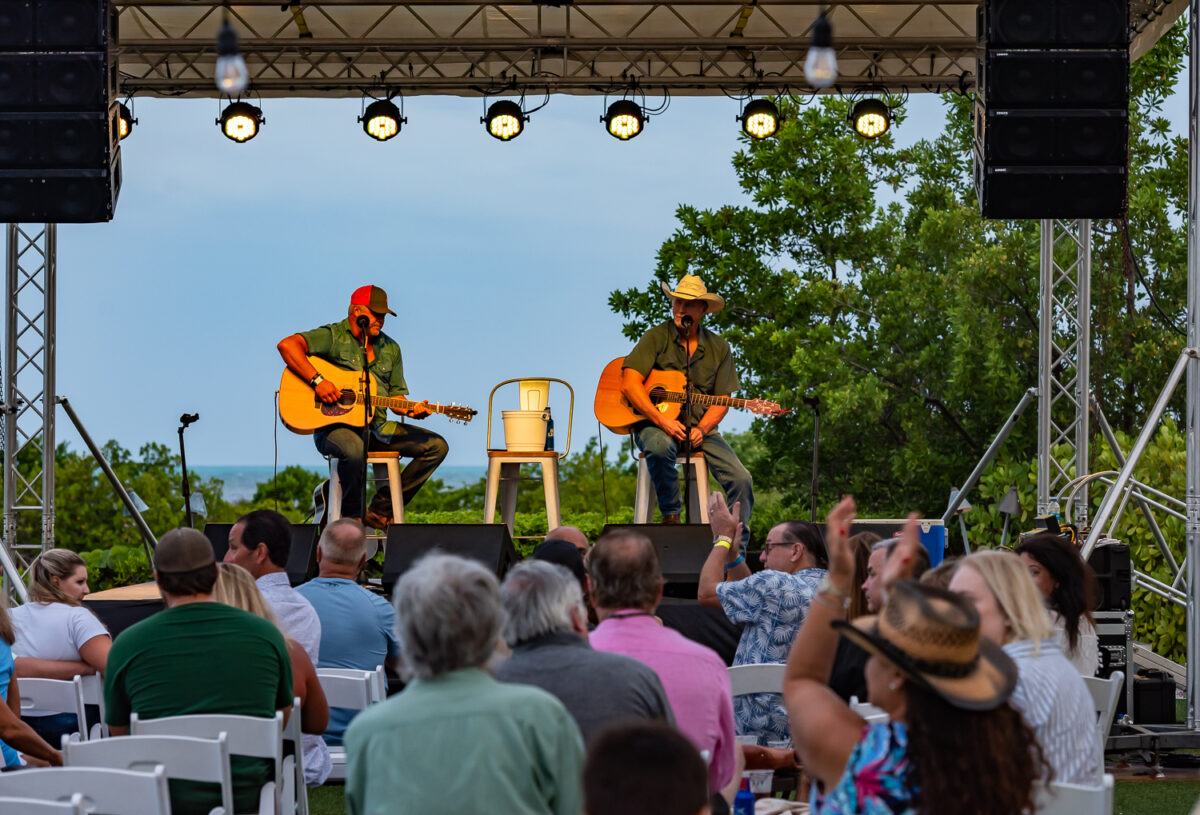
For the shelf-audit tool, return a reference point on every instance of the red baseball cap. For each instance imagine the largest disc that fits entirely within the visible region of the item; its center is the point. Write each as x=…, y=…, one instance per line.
x=373, y=298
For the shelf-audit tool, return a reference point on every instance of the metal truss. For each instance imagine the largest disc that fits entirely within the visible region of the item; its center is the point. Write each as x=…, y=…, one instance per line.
x=344, y=47
x=29, y=354
x=1064, y=363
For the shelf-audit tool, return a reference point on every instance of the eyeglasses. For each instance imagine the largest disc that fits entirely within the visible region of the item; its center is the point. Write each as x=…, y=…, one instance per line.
x=768, y=546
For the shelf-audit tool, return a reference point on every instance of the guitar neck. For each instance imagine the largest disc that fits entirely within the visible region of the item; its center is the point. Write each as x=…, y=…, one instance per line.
x=403, y=405
x=709, y=401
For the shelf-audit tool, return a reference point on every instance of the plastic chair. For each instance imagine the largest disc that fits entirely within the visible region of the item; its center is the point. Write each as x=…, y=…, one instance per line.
x=763, y=678
x=870, y=713
x=294, y=796
x=181, y=757
x=247, y=735
x=378, y=679
x=90, y=691
x=353, y=690
x=1076, y=799
x=53, y=696
x=1104, y=697
x=31, y=806
x=112, y=792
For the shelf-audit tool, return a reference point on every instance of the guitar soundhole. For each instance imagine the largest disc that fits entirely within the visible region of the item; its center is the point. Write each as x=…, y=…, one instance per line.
x=656, y=395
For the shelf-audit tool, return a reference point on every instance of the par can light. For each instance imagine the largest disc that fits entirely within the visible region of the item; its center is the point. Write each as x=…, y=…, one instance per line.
x=624, y=119
x=125, y=121
x=504, y=120
x=241, y=121
x=760, y=119
x=871, y=118
x=382, y=120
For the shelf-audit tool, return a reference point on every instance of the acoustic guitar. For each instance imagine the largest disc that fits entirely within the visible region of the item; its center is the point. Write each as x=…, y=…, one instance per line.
x=302, y=412
x=666, y=390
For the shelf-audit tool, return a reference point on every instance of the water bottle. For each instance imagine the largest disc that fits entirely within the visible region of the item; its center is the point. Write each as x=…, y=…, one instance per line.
x=743, y=802
x=549, y=430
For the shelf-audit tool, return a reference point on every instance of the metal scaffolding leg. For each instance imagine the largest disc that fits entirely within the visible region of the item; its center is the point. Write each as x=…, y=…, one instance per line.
x=1193, y=371
x=1064, y=361
x=29, y=386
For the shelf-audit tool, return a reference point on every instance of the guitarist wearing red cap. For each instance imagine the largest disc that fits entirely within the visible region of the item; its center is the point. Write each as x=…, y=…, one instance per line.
x=341, y=343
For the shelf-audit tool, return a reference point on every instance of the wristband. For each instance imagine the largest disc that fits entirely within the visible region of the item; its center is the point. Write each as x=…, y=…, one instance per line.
x=723, y=541
x=737, y=561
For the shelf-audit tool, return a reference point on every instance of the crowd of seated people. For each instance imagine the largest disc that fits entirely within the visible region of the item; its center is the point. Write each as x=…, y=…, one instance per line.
x=559, y=690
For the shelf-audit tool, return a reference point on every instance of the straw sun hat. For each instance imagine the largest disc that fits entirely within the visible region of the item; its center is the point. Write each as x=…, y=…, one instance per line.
x=932, y=636
x=691, y=287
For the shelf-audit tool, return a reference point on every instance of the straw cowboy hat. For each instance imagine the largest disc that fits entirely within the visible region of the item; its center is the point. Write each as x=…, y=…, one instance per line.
x=691, y=287
x=932, y=636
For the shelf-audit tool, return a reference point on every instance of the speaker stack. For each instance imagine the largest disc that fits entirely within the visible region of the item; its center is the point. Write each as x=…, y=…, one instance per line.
x=59, y=157
x=1052, y=112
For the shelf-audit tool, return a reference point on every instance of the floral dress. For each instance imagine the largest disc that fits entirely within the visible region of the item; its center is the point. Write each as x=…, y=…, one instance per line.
x=878, y=779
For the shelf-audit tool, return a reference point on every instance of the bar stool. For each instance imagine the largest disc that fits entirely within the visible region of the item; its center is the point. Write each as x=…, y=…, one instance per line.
x=645, y=499
x=504, y=466
x=376, y=459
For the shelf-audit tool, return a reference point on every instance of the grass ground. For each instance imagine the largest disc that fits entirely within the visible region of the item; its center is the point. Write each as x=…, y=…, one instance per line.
x=1138, y=797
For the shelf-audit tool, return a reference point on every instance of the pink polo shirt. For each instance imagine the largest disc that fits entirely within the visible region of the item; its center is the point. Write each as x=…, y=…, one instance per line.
x=694, y=677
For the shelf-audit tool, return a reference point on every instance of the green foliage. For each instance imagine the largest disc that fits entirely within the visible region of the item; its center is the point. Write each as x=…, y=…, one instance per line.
x=290, y=491
x=117, y=566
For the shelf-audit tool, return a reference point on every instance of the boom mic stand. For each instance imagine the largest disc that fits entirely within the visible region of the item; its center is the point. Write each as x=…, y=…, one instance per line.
x=364, y=328
x=814, y=402
x=185, y=420
x=687, y=420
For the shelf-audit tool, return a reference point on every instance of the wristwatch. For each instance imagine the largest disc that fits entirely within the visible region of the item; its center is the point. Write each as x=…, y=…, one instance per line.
x=836, y=593
x=316, y=380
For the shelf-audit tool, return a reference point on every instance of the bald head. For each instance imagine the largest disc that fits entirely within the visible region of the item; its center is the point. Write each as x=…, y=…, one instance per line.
x=572, y=535
x=624, y=570
x=343, y=544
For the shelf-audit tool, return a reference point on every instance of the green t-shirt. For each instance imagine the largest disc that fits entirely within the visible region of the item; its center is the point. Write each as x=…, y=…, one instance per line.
x=712, y=362
x=201, y=658
x=335, y=343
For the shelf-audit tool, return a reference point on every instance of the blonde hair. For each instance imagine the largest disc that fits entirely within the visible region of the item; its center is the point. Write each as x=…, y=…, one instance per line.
x=51, y=564
x=1007, y=578
x=236, y=587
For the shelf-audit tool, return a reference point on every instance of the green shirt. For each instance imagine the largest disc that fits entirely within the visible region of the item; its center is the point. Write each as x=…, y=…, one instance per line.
x=201, y=658
x=464, y=743
x=712, y=361
x=336, y=343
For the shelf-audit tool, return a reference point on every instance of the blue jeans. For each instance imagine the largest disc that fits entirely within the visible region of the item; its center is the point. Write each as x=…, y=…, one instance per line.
x=661, y=451
x=426, y=449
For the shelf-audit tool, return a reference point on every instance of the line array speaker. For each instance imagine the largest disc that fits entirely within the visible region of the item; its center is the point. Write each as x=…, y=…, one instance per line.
x=1052, y=121
x=60, y=161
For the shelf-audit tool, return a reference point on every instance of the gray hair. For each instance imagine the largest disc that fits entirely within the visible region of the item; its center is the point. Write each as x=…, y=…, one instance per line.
x=538, y=599
x=448, y=615
x=344, y=541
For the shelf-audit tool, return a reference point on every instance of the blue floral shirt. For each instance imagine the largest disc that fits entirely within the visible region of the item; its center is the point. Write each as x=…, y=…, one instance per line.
x=772, y=605
x=878, y=779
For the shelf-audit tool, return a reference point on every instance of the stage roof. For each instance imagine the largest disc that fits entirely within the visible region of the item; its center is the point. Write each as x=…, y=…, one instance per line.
x=339, y=48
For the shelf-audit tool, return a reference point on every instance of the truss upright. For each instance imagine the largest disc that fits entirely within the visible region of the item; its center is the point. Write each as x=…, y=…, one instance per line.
x=29, y=391
x=1064, y=363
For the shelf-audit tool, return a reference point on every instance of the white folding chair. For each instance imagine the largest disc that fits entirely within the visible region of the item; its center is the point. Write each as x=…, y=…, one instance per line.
x=295, y=791
x=248, y=736
x=766, y=677
x=105, y=792
x=1076, y=799
x=870, y=713
x=181, y=757
x=32, y=806
x=351, y=689
x=90, y=690
x=52, y=696
x=1105, y=693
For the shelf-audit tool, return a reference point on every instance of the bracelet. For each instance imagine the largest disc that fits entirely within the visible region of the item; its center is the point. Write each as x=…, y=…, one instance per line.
x=737, y=561
x=724, y=541
x=826, y=599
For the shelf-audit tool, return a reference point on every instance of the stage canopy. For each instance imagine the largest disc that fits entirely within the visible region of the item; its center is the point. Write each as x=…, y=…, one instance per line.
x=339, y=48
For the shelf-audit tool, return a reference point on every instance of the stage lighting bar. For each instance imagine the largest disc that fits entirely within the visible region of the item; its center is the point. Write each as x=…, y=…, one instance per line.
x=624, y=119
x=241, y=121
x=871, y=118
x=382, y=120
x=760, y=120
x=504, y=120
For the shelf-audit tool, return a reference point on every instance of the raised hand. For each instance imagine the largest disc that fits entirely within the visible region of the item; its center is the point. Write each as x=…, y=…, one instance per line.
x=837, y=542
x=899, y=565
x=726, y=520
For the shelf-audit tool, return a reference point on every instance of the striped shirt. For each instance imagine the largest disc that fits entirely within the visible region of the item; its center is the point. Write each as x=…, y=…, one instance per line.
x=1055, y=702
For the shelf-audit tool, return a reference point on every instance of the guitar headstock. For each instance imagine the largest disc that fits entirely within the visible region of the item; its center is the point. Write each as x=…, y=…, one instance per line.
x=459, y=413
x=762, y=407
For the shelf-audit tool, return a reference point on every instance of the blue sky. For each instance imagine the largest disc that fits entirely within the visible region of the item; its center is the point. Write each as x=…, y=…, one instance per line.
x=498, y=258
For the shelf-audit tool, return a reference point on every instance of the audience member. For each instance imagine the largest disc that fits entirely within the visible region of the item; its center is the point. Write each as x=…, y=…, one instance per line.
x=941, y=575
x=943, y=686
x=1050, y=693
x=456, y=740
x=260, y=542
x=848, y=679
x=358, y=627
x=235, y=587
x=16, y=735
x=567, y=555
x=546, y=628
x=627, y=585
x=771, y=603
x=877, y=564
x=57, y=638
x=572, y=535
x=198, y=656
x=644, y=769
x=1070, y=589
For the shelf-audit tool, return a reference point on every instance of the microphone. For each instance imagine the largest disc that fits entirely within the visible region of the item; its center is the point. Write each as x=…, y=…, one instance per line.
x=686, y=322
x=363, y=322
x=187, y=418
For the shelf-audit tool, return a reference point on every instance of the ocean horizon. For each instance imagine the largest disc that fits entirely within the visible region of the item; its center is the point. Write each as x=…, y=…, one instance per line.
x=242, y=480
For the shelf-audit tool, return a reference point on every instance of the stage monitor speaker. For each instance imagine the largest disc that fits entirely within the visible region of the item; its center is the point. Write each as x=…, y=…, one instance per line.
x=302, y=558
x=1055, y=23
x=681, y=549
x=490, y=544
x=1114, y=570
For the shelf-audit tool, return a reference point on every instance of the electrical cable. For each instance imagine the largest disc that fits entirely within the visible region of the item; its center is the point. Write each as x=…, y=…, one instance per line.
x=1137, y=270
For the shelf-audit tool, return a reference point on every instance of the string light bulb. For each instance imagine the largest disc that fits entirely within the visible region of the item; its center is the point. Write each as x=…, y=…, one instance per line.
x=820, y=64
x=232, y=76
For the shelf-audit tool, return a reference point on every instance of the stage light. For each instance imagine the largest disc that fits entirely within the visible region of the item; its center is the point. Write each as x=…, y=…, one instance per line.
x=241, y=121
x=820, y=65
x=125, y=121
x=504, y=120
x=232, y=76
x=382, y=120
x=760, y=119
x=871, y=118
x=624, y=119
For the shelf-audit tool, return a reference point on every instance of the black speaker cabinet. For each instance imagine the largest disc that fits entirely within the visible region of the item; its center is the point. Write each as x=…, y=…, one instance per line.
x=58, y=196
x=1053, y=80
x=302, y=558
x=1056, y=137
x=1055, y=23
x=1114, y=570
x=27, y=25
x=682, y=550
x=490, y=544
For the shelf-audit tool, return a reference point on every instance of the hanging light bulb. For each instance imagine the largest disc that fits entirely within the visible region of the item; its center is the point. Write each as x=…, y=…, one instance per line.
x=232, y=75
x=624, y=119
x=820, y=66
x=241, y=121
x=125, y=121
x=760, y=119
x=382, y=120
x=871, y=118
x=504, y=120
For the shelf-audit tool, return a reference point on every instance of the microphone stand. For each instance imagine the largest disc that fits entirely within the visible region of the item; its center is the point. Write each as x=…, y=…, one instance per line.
x=364, y=327
x=185, y=420
x=814, y=402
x=687, y=420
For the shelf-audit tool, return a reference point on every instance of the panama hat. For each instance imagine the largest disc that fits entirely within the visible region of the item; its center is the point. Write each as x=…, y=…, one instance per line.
x=691, y=287
x=932, y=636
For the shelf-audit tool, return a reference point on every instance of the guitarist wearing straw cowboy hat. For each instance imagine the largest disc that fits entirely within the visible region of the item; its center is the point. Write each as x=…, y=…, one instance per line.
x=666, y=347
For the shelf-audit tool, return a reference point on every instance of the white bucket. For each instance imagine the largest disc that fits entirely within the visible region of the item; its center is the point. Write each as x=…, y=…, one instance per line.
x=535, y=393
x=524, y=430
